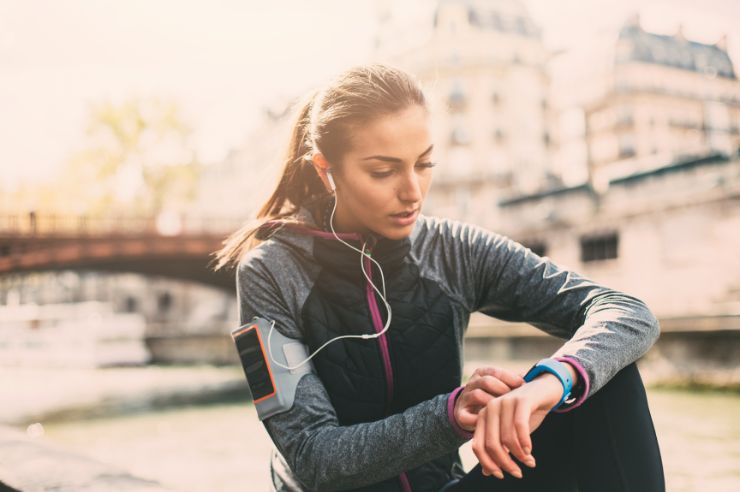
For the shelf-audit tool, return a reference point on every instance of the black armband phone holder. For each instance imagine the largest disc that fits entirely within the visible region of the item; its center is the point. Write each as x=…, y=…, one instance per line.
x=273, y=387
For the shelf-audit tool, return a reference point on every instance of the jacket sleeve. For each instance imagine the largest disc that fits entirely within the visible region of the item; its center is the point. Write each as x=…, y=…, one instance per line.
x=605, y=329
x=322, y=454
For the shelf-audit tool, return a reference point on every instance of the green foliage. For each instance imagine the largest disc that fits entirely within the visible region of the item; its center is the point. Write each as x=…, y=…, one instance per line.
x=138, y=160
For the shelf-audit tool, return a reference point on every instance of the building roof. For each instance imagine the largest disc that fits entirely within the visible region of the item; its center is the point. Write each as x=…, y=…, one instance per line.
x=516, y=200
x=505, y=16
x=673, y=51
x=673, y=168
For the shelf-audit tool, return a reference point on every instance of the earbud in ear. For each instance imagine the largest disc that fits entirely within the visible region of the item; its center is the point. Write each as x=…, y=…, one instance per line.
x=331, y=180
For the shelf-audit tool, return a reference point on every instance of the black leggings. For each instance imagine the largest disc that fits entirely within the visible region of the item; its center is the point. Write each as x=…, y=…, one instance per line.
x=607, y=444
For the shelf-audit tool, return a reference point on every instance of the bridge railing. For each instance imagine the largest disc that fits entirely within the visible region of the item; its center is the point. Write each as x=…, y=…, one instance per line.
x=33, y=224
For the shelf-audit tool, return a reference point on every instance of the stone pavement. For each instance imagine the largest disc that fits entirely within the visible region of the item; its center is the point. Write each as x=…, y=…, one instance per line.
x=30, y=465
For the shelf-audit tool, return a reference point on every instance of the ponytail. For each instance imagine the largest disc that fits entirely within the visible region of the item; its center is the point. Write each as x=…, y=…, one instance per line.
x=299, y=184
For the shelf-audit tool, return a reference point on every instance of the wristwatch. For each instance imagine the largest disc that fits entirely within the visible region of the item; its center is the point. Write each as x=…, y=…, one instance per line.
x=556, y=368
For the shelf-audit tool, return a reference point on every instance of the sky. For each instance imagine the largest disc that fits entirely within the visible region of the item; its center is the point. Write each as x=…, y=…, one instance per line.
x=223, y=60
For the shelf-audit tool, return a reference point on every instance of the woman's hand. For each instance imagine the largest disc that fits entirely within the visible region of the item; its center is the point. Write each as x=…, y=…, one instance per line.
x=504, y=425
x=485, y=384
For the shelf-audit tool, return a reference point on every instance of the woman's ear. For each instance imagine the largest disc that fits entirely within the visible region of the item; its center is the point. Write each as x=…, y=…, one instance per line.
x=323, y=168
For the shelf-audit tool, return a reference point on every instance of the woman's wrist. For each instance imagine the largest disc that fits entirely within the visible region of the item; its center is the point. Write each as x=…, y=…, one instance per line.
x=558, y=377
x=552, y=389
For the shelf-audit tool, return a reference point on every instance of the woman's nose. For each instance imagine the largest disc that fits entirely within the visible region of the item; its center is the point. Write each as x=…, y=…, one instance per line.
x=410, y=189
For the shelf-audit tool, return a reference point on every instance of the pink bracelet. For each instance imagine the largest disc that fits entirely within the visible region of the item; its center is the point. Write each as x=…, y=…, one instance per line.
x=451, y=414
x=583, y=383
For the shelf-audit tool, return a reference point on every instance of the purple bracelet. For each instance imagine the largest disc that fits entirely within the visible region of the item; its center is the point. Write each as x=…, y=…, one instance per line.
x=582, y=383
x=451, y=399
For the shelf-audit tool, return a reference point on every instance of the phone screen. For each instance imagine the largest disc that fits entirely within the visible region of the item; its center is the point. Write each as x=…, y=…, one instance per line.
x=254, y=364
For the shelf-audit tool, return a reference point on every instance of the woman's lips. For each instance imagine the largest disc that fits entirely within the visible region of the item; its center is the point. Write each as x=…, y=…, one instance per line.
x=405, y=219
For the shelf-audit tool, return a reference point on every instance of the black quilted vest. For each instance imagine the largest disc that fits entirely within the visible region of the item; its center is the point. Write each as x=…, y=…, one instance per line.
x=415, y=360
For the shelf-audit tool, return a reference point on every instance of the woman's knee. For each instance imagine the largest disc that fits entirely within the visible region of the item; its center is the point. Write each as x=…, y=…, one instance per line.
x=616, y=439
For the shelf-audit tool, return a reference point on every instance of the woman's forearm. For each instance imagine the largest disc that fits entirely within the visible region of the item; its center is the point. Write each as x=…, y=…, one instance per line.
x=324, y=455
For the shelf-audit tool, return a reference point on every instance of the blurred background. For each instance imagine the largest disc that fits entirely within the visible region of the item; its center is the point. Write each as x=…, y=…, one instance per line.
x=135, y=136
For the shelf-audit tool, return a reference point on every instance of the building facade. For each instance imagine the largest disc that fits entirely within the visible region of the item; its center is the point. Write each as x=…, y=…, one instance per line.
x=644, y=100
x=669, y=236
x=483, y=66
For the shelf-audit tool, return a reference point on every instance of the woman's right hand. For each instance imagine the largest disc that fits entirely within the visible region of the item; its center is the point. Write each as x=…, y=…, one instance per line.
x=485, y=384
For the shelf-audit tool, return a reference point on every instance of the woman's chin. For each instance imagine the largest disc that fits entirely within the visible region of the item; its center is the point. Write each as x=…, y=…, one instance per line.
x=397, y=232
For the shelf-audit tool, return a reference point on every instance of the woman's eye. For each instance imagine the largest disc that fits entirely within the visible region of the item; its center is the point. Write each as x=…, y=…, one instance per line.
x=385, y=174
x=381, y=175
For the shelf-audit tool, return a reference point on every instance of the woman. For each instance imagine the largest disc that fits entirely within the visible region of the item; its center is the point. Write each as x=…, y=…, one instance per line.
x=387, y=413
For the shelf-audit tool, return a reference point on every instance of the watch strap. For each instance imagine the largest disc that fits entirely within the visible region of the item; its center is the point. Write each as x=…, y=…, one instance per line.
x=556, y=368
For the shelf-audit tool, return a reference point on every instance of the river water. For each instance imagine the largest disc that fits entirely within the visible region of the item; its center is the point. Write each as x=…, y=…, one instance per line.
x=224, y=447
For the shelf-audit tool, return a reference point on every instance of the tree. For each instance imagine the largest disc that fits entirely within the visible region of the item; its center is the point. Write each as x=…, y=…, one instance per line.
x=139, y=160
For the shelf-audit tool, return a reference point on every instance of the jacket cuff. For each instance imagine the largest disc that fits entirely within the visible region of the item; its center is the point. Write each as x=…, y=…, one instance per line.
x=580, y=391
x=451, y=399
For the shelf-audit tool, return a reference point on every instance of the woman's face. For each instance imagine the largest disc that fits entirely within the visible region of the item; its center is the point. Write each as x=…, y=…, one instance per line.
x=387, y=172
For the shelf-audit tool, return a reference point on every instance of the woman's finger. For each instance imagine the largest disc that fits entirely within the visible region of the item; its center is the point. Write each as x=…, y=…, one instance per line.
x=493, y=385
x=488, y=466
x=476, y=397
x=509, y=435
x=492, y=438
x=521, y=425
x=467, y=417
x=507, y=377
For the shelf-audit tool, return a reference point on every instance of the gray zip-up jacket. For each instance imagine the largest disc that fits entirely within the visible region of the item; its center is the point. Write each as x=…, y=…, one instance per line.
x=377, y=414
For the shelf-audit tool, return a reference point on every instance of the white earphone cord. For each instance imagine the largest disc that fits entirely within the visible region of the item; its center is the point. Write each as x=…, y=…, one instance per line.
x=362, y=267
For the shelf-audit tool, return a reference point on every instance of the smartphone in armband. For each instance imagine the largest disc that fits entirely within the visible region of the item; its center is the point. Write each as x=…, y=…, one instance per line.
x=273, y=387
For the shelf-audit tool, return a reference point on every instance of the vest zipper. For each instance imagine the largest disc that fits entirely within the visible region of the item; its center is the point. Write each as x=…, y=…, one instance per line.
x=383, y=342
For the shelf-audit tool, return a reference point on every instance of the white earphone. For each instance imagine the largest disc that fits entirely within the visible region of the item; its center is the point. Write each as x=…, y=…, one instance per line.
x=362, y=267
x=331, y=180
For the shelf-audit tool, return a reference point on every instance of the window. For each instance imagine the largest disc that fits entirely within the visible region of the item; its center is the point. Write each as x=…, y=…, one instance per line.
x=131, y=304
x=521, y=26
x=459, y=136
x=456, y=98
x=164, y=302
x=599, y=247
x=624, y=118
x=626, y=152
x=627, y=146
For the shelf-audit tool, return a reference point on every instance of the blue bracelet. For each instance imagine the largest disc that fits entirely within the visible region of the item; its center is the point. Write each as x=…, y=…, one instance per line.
x=559, y=370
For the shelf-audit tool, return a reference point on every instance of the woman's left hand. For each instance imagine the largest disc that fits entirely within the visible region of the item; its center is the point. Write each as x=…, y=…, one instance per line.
x=505, y=423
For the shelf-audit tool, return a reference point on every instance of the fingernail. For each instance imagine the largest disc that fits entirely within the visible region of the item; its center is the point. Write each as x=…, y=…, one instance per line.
x=529, y=461
x=484, y=472
x=517, y=473
x=499, y=475
x=527, y=450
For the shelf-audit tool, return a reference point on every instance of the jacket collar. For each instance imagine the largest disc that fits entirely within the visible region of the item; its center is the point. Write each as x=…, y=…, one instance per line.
x=321, y=244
